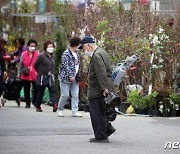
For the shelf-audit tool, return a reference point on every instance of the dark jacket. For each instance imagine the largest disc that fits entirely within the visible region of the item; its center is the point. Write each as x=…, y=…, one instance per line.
x=2, y=62
x=99, y=74
x=44, y=64
x=2, y=69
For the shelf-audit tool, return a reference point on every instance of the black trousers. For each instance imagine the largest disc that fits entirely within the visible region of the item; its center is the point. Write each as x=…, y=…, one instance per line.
x=52, y=93
x=100, y=122
x=1, y=85
x=27, y=86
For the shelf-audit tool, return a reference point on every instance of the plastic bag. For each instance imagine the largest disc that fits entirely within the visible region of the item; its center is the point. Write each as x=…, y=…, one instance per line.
x=130, y=110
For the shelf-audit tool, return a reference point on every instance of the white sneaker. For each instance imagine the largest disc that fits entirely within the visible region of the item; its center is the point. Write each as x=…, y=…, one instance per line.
x=60, y=113
x=77, y=114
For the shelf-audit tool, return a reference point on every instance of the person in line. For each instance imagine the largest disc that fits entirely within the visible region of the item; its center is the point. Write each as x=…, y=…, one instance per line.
x=99, y=85
x=44, y=66
x=68, y=75
x=27, y=61
x=21, y=47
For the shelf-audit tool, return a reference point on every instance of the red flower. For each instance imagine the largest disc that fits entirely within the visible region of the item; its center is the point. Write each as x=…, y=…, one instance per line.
x=144, y=2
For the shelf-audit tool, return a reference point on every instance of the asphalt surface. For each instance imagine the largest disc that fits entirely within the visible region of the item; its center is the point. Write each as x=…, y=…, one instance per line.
x=24, y=131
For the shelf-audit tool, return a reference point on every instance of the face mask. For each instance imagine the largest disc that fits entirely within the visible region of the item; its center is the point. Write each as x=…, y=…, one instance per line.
x=88, y=53
x=77, y=49
x=32, y=49
x=50, y=50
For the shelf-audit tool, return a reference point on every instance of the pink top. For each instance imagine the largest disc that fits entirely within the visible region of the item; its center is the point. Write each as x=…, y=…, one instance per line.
x=26, y=60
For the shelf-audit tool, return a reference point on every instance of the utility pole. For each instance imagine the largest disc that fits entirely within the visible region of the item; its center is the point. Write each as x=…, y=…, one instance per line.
x=13, y=8
x=42, y=6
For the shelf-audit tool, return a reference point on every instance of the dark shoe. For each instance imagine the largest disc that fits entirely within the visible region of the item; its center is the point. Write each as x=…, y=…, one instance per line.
x=55, y=107
x=27, y=106
x=105, y=140
x=38, y=109
x=111, y=130
x=34, y=104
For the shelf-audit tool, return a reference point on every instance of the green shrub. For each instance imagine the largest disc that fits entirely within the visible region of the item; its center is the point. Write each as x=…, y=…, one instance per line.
x=175, y=98
x=152, y=100
x=134, y=98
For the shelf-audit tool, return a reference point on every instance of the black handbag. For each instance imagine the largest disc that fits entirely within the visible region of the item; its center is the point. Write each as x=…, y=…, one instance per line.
x=25, y=71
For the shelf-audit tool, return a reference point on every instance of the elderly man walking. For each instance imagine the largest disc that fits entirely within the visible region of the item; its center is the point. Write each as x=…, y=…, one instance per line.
x=99, y=85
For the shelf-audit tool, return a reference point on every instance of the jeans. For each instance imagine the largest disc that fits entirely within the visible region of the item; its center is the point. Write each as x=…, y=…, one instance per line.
x=41, y=89
x=65, y=88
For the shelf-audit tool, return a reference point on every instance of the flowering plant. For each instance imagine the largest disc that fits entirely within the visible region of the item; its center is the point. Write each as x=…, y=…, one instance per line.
x=158, y=41
x=10, y=44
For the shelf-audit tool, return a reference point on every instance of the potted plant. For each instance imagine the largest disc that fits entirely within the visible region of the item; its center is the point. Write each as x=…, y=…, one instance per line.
x=153, y=104
x=175, y=103
x=163, y=96
x=144, y=104
x=134, y=99
x=167, y=107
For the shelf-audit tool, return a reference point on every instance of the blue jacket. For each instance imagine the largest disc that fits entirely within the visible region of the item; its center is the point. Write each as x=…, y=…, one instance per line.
x=67, y=68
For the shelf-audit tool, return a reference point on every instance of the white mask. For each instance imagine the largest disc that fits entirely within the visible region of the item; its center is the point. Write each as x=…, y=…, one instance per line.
x=32, y=49
x=77, y=49
x=50, y=50
x=88, y=53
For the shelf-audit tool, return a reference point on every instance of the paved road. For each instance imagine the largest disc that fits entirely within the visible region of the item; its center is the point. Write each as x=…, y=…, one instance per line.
x=24, y=131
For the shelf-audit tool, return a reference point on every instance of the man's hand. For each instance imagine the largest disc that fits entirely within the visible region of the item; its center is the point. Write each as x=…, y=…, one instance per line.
x=5, y=75
x=105, y=92
x=72, y=79
x=19, y=76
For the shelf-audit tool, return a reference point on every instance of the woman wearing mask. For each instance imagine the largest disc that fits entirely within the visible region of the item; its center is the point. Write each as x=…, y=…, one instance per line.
x=27, y=72
x=70, y=63
x=44, y=66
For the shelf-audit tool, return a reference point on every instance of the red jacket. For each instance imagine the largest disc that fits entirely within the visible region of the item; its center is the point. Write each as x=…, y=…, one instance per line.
x=25, y=61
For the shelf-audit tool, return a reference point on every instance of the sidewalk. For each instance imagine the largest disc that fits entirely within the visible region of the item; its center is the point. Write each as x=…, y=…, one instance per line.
x=25, y=131
x=45, y=108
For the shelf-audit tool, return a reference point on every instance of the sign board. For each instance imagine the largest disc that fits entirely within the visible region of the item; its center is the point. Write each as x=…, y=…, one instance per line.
x=155, y=6
x=43, y=19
